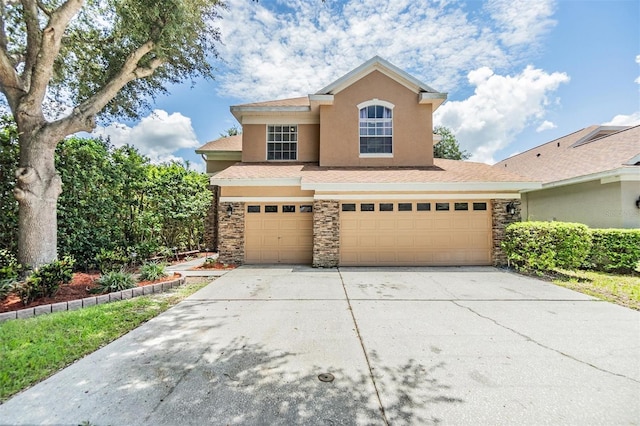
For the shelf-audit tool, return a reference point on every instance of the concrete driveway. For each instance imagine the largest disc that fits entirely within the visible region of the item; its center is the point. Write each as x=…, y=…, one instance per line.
x=404, y=345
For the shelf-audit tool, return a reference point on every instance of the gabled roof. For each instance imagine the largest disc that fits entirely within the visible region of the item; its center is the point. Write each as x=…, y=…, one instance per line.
x=376, y=64
x=426, y=94
x=229, y=143
x=580, y=154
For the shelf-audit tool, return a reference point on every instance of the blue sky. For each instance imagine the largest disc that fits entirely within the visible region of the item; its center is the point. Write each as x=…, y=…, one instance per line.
x=518, y=73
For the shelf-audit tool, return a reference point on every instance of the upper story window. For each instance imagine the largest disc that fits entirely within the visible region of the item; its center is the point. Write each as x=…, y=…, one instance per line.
x=376, y=128
x=282, y=142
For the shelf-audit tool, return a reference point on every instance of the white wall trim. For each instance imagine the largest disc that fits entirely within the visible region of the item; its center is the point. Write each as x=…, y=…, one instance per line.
x=421, y=186
x=376, y=101
x=257, y=182
x=265, y=199
x=425, y=196
x=626, y=174
x=278, y=119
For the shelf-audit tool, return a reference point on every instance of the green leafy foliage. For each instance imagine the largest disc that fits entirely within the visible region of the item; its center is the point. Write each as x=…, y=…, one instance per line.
x=46, y=280
x=543, y=246
x=111, y=260
x=7, y=286
x=9, y=266
x=152, y=271
x=448, y=147
x=615, y=250
x=114, y=281
x=9, y=150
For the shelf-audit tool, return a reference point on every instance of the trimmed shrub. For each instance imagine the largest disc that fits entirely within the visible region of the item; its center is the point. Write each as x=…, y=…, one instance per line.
x=543, y=246
x=114, y=281
x=615, y=250
x=54, y=274
x=7, y=285
x=29, y=290
x=152, y=271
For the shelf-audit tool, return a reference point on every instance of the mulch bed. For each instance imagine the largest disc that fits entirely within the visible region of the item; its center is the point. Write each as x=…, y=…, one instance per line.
x=77, y=289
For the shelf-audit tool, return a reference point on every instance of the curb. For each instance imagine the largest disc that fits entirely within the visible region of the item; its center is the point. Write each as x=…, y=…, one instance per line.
x=73, y=305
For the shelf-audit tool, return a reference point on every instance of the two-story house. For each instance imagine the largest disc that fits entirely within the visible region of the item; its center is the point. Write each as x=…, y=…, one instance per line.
x=346, y=176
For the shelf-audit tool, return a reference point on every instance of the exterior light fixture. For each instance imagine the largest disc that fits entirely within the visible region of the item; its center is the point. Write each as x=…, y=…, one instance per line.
x=229, y=210
x=511, y=208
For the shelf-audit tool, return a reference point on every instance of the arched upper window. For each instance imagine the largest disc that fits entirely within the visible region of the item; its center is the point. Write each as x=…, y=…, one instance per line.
x=376, y=128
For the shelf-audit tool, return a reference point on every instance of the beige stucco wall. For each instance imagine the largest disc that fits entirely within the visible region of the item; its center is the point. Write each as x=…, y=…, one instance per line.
x=412, y=125
x=264, y=191
x=215, y=166
x=254, y=141
x=595, y=204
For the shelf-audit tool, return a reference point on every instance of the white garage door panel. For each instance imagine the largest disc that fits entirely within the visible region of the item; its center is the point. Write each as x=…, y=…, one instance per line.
x=415, y=237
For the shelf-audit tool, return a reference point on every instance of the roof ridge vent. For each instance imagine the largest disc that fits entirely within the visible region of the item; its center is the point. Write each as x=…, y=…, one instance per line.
x=599, y=133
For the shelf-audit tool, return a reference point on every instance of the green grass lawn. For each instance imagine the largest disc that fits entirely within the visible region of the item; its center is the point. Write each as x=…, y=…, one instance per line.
x=621, y=289
x=35, y=348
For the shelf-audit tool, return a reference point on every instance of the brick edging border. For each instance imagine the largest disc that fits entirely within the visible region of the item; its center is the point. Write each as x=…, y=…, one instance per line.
x=73, y=305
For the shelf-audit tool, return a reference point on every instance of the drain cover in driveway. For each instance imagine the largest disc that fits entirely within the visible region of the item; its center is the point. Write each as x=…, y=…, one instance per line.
x=326, y=377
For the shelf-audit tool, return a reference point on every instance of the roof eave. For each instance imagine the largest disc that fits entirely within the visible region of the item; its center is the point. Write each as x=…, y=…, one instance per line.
x=240, y=111
x=376, y=64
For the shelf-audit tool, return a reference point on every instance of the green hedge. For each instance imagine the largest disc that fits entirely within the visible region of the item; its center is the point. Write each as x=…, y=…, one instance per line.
x=615, y=250
x=543, y=246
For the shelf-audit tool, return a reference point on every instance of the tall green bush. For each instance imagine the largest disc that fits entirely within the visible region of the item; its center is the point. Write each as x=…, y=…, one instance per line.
x=113, y=200
x=615, y=250
x=9, y=150
x=543, y=246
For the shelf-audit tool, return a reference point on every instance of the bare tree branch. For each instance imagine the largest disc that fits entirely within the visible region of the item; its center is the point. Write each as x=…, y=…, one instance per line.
x=83, y=116
x=44, y=8
x=48, y=49
x=10, y=83
x=33, y=39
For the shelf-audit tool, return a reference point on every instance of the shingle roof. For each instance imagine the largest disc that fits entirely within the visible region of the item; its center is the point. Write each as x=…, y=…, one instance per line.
x=230, y=143
x=561, y=159
x=444, y=171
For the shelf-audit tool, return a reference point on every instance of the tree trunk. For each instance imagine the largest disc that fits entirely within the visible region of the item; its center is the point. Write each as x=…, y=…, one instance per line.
x=38, y=186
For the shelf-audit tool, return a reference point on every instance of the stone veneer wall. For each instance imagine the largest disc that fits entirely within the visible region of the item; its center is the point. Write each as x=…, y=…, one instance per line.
x=211, y=221
x=500, y=220
x=326, y=233
x=231, y=233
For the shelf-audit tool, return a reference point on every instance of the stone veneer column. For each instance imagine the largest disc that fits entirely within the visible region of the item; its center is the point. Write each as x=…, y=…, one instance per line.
x=231, y=233
x=326, y=233
x=211, y=221
x=500, y=220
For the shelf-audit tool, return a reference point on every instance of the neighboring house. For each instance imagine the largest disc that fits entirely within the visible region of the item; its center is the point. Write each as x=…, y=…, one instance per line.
x=591, y=176
x=346, y=176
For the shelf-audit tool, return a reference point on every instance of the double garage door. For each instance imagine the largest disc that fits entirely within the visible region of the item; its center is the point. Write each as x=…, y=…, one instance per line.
x=375, y=233
x=415, y=233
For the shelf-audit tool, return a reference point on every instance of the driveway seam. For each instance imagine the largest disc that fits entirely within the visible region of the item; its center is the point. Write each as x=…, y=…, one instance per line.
x=364, y=350
x=529, y=339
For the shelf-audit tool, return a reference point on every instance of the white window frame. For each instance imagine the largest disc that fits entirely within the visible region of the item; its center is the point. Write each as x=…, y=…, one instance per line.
x=267, y=133
x=376, y=102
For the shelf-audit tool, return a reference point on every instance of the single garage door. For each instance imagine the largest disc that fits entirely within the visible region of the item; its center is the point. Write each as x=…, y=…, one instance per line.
x=278, y=233
x=426, y=233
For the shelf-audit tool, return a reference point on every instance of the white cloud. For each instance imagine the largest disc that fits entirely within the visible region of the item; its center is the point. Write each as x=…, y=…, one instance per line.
x=632, y=119
x=500, y=108
x=521, y=21
x=637, y=80
x=305, y=45
x=158, y=136
x=546, y=125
